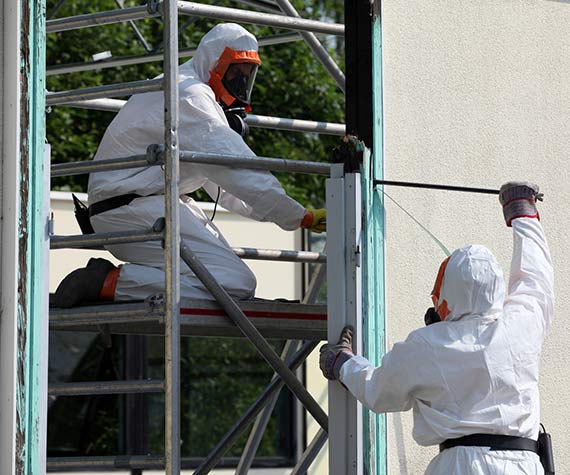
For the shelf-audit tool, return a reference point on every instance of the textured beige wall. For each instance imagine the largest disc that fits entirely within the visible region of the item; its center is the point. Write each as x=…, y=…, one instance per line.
x=476, y=93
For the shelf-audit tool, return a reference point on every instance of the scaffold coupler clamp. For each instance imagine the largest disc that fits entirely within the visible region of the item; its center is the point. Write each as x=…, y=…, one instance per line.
x=155, y=154
x=349, y=152
x=153, y=6
x=159, y=227
x=155, y=303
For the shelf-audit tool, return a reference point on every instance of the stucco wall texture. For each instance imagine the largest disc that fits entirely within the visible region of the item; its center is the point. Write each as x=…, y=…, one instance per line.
x=476, y=93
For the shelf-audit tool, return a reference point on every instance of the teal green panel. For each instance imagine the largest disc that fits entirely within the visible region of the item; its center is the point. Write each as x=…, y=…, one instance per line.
x=38, y=227
x=374, y=316
x=31, y=237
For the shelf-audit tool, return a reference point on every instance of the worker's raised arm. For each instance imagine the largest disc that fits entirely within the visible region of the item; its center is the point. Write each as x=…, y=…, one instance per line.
x=530, y=293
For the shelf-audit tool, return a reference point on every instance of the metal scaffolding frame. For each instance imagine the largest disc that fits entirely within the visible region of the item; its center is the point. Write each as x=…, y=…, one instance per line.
x=165, y=314
x=276, y=123
x=277, y=39
x=156, y=8
x=345, y=308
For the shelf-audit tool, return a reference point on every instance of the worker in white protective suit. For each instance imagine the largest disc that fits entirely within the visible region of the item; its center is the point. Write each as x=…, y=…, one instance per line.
x=471, y=378
x=215, y=82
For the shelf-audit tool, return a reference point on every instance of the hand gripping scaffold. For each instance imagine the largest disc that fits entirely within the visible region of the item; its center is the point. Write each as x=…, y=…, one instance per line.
x=354, y=248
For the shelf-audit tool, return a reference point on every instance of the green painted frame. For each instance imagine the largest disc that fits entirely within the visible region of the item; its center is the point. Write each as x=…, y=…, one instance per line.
x=30, y=397
x=373, y=287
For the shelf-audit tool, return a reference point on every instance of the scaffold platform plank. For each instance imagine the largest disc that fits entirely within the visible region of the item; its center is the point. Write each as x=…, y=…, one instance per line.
x=273, y=319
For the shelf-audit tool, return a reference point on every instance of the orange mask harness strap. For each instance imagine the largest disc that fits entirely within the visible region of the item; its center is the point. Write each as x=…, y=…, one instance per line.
x=228, y=57
x=440, y=306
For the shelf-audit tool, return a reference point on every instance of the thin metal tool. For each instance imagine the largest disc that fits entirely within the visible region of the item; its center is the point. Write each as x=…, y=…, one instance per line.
x=431, y=186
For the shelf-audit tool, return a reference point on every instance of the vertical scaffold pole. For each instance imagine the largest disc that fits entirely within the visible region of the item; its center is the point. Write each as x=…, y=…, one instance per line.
x=344, y=297
x=172, y=240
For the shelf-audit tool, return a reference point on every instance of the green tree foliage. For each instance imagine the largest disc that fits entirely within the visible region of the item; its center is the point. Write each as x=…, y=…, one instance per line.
x=290, y=83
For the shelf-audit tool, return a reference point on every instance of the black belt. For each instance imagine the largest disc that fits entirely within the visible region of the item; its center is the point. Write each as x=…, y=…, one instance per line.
x=494, y=441
x=112, y=203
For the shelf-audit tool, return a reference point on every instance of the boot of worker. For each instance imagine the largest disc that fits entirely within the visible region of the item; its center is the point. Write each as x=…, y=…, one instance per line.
x=94, y=283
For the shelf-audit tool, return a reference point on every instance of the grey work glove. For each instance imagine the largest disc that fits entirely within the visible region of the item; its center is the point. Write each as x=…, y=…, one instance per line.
x=518, y=199
x=333, y=356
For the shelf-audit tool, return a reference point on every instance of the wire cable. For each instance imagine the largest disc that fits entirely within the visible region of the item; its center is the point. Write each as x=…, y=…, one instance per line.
x=436, y=240
x=216, y=204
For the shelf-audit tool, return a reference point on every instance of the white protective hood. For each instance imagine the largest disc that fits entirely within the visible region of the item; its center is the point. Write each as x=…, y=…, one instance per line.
x=211, y=47
x=473, y=283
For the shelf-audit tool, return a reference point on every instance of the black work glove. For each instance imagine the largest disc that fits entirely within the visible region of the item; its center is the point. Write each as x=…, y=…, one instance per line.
x=236, y=121
x=333, y=356
x=519, y=200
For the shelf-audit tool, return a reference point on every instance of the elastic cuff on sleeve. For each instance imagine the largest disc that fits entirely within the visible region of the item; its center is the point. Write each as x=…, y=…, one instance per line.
x=307, y=220
x=107, y=292
x=341, y=358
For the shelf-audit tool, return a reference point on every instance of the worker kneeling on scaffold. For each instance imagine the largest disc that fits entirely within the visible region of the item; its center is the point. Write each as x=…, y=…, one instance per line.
x=214, y=89
x=471, y=375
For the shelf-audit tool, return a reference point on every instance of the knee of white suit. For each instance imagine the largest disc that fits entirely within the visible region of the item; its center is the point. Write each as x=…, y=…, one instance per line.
x=139, y=282
x=238, y=281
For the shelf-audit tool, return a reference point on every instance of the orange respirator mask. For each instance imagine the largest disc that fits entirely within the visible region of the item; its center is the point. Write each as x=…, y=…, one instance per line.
x=440, y=304
x=233, y=77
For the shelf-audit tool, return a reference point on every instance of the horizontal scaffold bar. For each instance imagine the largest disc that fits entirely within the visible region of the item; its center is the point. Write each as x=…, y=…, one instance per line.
x=104, y=104
x=267, y=6
x=99, y=18
x=295, y=125
x=95, y=241
x=92, y=166
x=108, y=90
x=195, y=9
x=279, y=255
x=234, y=161
x=261, y=121
x=131, y=313
x=257, y=163
x=277, y=39
x=103, y=239
x=256, y=18
x=92, y=388
x=125, y=462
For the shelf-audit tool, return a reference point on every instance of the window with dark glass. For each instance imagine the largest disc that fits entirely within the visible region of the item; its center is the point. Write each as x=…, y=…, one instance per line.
x=220, y=378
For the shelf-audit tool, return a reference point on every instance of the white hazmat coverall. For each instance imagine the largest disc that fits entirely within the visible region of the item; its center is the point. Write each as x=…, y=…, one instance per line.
x=477, y=371
x=203, y=127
